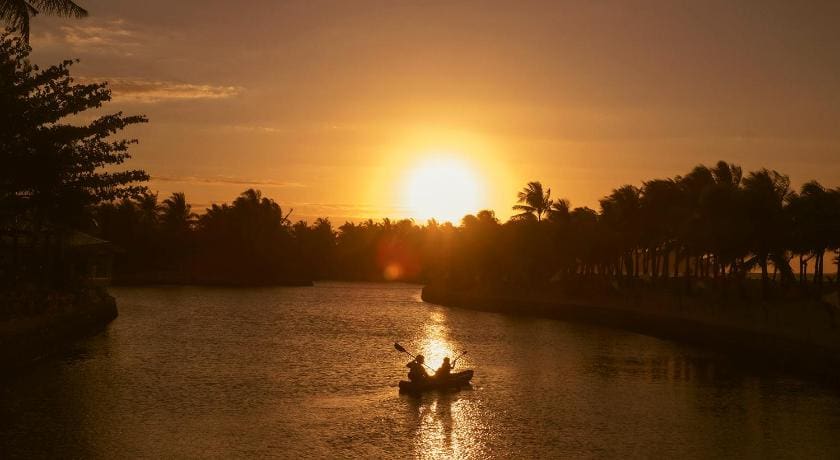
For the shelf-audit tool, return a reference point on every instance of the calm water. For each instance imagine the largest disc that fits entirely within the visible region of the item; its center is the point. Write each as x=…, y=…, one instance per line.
x=311, y=372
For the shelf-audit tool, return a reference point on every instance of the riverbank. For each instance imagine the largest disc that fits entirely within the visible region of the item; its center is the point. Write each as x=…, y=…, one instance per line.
x=156, y=278
x=42, y=327
x=801, y=336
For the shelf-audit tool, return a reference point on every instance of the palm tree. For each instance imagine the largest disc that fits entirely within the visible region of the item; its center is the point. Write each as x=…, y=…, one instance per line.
x=765, y=193
x=722, y=219
x=177, y=213
x=248, y=241
x=659, y=207
x=534, y=201
x=813, y=214
x=584, y=239
x=621, y=213
x=693, y=234
x=559, y=211
x=148, y=207
x=727, y=174
x=18, y=12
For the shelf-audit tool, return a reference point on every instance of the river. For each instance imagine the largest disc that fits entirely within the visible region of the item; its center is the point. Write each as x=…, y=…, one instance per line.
x=188, y=372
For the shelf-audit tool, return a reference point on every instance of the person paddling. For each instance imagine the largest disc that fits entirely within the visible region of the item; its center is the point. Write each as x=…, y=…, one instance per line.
x=444, y=369
x=416, y=372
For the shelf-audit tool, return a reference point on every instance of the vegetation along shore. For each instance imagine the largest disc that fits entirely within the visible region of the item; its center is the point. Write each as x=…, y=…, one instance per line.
x=68, y=227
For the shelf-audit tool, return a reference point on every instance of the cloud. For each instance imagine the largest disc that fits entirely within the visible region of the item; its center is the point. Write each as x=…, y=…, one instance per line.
x=105, y=35
x=258, y=129
x=120, y=44
x=354, y=211
x=221, y=180
x=311, y=128
x=151, y=91
x=99, y=36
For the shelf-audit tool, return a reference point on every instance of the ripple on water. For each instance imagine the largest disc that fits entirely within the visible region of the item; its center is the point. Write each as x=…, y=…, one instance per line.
x=311, y=372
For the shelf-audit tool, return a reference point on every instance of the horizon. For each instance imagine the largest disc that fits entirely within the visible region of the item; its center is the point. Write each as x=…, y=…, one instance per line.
x=419, y=229
x=332, y=105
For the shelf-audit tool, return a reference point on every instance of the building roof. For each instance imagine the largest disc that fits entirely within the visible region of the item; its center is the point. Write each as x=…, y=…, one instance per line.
x=79, y=239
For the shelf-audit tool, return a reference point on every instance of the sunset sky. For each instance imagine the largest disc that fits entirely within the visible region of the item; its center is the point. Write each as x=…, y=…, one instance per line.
x=332, y=108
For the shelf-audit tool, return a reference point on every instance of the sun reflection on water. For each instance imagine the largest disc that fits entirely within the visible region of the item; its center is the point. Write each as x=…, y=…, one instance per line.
x=435, y=343
x=447, y=424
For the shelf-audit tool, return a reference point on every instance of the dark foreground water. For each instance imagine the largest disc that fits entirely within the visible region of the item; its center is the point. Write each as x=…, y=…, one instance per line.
x=188, y=372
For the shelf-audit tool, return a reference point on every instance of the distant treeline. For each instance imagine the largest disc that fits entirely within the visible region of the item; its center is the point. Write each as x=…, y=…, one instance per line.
x=712, y=223
x=252, y=241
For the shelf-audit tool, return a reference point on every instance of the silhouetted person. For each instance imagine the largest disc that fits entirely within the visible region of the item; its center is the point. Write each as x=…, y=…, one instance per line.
x=416, y=372
x=444, y=369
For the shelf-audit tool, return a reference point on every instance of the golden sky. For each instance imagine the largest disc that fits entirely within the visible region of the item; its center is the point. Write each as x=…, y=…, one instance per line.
x=328, y=105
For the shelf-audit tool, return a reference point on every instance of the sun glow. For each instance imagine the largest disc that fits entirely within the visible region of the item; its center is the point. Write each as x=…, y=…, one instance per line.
x=442, y=188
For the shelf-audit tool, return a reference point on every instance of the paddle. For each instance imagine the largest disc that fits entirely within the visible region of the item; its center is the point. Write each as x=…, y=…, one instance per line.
x=402, y=350
x=459, y=357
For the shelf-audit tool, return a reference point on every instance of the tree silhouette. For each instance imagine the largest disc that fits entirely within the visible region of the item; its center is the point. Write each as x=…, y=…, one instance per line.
x=533, y=201
x=659, y=208
x=247, y=242
x=17, y=13
x=587, y=242
x=689, y=234
x=721, y=217
x=621, y=214
x=53, y=171
x=50, y=168
x=318, y=243
x=834, y=230
x=148, y=208
x=177, y=214
x=765, y=193
x=814, y=222
x=559, y=211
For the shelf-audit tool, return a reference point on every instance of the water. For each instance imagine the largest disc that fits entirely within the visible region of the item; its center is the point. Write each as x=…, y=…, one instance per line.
x=188, y=372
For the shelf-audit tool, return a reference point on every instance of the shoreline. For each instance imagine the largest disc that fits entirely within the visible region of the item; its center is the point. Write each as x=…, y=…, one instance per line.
x=27, y=339
x=176, y=279
x=763, y=333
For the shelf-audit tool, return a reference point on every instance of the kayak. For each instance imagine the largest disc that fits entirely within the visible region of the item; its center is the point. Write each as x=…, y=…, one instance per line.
x=454, y=381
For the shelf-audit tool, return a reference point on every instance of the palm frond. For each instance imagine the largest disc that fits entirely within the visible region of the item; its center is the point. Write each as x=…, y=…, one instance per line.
x=523, y=207
x=16, y=14
x=65, y=8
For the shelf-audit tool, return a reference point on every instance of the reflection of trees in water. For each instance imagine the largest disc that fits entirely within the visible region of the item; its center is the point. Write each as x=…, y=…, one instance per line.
x=48, y=401
x=661, y=368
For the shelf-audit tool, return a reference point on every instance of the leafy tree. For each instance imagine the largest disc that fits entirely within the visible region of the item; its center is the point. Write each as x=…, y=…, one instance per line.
x=51, y=169
x=714, y=225
x=318, y=243
x=478, y=247
x=247, y=242
x=586, y=239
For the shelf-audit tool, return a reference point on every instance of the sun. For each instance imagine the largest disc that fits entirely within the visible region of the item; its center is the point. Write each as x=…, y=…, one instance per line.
x=442, y=188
